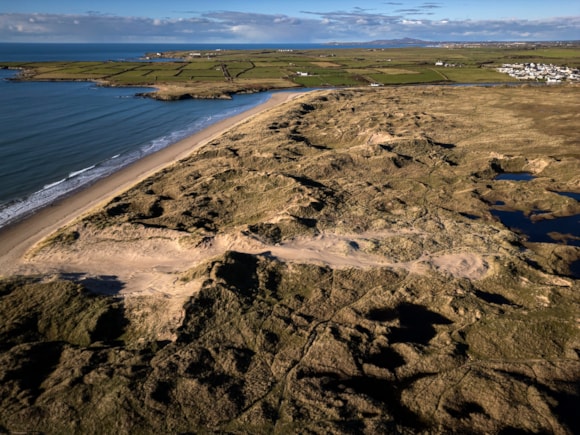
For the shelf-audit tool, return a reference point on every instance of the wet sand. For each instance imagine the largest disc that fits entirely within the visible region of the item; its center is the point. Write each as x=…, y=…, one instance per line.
x=17, y=238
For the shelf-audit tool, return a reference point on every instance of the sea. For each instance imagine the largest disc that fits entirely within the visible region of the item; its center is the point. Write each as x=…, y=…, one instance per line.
x=58, y=137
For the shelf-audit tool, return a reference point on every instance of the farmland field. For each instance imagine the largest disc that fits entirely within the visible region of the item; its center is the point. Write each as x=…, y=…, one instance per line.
x=248, y=70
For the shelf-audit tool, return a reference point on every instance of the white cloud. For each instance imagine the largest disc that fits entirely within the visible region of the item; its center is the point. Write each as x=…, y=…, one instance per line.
x=232, y=26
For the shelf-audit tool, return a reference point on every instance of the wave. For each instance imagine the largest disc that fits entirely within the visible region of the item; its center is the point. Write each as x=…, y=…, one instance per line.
x=76, y=180
x=75, y=173
x=56, y=183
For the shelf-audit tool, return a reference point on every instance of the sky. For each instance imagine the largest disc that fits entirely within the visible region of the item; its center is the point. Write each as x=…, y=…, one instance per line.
x=304, y=21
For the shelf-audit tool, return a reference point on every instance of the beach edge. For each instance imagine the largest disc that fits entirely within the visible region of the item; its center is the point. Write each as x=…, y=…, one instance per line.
x=18, y=237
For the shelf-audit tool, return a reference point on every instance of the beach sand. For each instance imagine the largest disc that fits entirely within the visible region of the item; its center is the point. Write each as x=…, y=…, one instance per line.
x=334, y=255
x=17, y=238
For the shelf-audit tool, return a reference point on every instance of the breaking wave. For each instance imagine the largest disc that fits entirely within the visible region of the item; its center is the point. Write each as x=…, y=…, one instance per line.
x=79, y=179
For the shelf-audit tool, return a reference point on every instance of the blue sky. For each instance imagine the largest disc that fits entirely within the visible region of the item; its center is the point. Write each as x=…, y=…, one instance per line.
x=290, y=21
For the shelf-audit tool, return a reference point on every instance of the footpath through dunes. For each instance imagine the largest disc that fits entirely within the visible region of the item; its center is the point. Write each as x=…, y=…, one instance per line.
x=329, y=265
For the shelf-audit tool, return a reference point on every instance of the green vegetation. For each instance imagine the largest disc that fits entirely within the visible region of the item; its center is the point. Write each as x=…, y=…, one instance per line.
x=327, y=266
x=248, y=70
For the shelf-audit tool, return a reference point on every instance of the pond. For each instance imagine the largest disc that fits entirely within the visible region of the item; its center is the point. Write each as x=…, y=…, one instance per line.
x=514, y=176
x=572, y=195
x=575, y=269
x=566, y=229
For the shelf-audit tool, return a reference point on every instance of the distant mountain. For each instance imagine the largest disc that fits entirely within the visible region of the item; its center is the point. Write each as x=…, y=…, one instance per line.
x=388, y=42
x=411, y=42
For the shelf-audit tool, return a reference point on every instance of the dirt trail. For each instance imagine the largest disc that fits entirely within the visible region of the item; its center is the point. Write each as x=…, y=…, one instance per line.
x=149, y=261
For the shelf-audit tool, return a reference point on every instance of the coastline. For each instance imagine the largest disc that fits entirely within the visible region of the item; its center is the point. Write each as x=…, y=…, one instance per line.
x=18, y=237
x=334, y=254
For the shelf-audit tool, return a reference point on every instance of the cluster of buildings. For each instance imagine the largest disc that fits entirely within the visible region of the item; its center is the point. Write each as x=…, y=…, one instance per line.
x=540, y=71
x=448, y=65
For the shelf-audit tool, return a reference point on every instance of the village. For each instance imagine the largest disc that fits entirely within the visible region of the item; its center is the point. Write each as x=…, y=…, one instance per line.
x=541, y=72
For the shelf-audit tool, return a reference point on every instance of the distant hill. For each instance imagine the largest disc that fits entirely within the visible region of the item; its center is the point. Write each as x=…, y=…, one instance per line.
x=388, y=42
x=412, y=42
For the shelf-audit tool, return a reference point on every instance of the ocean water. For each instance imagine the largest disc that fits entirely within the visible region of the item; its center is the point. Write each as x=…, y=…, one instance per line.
x=24, y=52
x=59, y=137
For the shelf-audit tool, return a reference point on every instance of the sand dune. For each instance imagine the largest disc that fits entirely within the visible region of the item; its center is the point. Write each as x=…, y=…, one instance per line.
x=17, y=238
x=329, y=265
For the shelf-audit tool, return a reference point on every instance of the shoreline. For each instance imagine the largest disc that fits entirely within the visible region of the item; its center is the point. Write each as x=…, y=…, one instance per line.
x=18, y=237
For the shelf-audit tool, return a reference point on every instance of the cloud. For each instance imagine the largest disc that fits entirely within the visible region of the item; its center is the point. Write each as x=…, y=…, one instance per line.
x=430, y=6
x=408, y=11
x=313, y=26
x=424, y=9
x=413, y=12
x=350, y=18
x=93, y=28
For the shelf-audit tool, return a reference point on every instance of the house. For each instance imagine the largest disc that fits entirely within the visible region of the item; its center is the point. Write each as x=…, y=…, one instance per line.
x=538, y=71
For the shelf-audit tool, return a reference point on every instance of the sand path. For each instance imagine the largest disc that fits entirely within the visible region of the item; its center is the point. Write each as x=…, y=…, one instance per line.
x=150, y=261
x=146, y=266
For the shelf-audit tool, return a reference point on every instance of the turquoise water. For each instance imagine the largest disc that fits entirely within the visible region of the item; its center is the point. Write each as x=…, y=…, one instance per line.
x=58, y=137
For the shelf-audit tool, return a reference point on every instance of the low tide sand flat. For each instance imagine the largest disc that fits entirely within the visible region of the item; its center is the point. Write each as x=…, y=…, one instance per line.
x=329, y=265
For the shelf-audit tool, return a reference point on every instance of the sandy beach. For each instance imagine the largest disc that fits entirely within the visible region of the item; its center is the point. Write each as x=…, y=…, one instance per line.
x=326, y=264
x=17, y=238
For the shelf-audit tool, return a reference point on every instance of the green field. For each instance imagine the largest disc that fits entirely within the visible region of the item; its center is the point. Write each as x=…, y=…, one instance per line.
x=330, y=67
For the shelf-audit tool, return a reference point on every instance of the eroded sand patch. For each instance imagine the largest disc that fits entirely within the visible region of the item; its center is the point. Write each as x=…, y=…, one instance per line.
x=462, y=265
x=148, y=261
